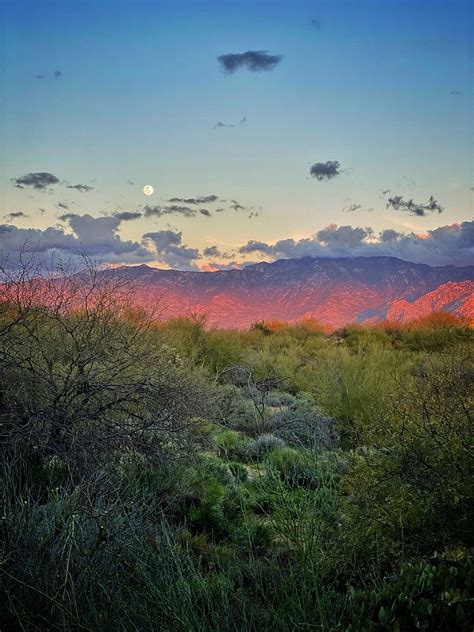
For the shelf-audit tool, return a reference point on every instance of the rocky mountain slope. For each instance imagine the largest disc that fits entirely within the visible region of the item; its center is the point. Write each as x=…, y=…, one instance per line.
x=335, y=291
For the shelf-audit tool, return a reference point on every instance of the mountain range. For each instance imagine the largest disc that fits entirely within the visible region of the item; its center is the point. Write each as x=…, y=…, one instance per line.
x=335, y=291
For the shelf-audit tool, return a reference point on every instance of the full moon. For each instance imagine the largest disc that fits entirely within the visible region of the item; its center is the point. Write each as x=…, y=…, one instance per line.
x=148, y=189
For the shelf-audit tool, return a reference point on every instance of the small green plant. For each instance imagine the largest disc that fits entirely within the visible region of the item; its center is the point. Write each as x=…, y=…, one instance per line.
x=427, y=595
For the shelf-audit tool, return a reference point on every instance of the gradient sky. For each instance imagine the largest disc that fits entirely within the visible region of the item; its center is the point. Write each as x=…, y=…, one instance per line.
x=383, y=87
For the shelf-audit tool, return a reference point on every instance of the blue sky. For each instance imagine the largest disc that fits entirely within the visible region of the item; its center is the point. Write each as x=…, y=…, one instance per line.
x=384, y=88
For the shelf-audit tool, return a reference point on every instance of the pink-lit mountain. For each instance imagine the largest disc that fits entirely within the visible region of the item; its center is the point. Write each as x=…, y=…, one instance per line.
x=335, y=291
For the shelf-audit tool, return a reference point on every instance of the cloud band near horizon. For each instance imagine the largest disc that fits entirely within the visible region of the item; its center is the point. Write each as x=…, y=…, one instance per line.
x=100, y=238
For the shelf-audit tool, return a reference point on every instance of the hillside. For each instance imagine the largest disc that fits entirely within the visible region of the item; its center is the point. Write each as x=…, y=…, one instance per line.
x=335, y=291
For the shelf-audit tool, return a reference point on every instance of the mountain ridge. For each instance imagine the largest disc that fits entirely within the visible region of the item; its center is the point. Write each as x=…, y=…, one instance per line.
x=336, y=290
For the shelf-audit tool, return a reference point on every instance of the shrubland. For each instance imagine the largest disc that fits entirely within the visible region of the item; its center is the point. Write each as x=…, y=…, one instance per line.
x=169, y=476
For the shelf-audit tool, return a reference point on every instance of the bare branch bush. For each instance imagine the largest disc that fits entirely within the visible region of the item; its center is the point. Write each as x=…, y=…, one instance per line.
x=85, y=375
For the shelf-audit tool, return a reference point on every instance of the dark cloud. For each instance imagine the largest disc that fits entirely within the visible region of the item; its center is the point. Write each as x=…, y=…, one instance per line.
x=83, y=188
x=452, y=244
x=213, y=252
x=205, y=211
x=173, y=209
x=63, y=205
x=170, y=250
x=325, y=170
x=411, y=207
x=258, y=246
x=127, y=216
x=57, y=74
x=200, y=199
x=40, y=76
x=253, y=60
x=40, y=180
x=456, y=92
x=316, y=23
x=15, y=215
x=97, y=237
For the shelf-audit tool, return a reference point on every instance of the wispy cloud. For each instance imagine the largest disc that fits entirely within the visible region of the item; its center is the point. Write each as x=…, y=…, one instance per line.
x=82, y=188
x=221, y=124
x=200, y=199
x=414, y=208
x=127, y=216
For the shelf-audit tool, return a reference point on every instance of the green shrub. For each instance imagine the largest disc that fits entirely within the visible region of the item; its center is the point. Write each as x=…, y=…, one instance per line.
x=293, y=468
x=238, y=471
x=425, y=595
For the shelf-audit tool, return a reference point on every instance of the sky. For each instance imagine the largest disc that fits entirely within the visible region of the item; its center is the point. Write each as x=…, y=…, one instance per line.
x=266, y=129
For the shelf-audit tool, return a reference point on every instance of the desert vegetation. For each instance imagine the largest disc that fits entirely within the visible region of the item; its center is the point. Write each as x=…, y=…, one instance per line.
x=168, y=476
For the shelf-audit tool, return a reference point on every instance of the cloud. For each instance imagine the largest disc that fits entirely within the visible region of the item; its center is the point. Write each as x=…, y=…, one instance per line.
x=15, y=215
x=213, y=252
x=97, y=237
x=63, y=205
x=56, y=74
x=325, y=170
x=221, y=124
x=173, y=209
x=236, y=206
x=352, y=207
x=170, y=250
x=205, y=211
x=253, y=60
x=456, y=92
x=83, y=188
x=411, y=207
x=200, y=199
x=316, y=23
x=452, y=244
x=127, y=216
x=66, y=217
x=40, y=180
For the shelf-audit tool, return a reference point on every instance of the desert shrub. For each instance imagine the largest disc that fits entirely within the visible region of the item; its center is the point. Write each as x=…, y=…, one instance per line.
x=302, y=425
x=293, y=468
x=278, y=399
x=263, y=444
x=238, y=471
x=87, y=385
x=434, y=594
x=227, y=442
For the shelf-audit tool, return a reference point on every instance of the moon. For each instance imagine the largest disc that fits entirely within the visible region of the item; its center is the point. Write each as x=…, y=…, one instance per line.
x=148, y=189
